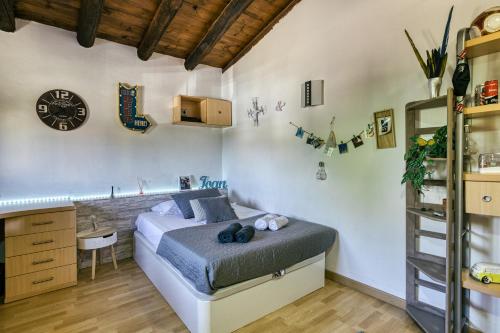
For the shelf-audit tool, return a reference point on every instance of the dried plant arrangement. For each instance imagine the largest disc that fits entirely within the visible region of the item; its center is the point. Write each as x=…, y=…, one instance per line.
x=436, y=58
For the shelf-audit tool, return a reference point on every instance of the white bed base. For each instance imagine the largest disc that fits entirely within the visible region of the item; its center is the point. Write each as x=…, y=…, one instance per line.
x=233, y=307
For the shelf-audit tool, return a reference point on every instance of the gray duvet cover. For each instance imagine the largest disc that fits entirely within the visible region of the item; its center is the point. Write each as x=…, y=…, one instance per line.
x=209, y=265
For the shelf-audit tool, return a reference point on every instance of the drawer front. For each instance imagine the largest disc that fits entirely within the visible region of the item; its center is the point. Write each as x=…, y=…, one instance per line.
x=218, y=112
x=19, y=245
x=482, y=198
x=40, y=261
x=35, y=283
x=32, y=224
x=96, y=242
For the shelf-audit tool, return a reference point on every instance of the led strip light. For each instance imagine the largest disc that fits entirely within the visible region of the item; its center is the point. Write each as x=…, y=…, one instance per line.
x=83, y=197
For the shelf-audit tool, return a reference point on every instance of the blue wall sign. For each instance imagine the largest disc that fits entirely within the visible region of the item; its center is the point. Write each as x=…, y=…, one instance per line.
x=129, y=113
x=206, y=183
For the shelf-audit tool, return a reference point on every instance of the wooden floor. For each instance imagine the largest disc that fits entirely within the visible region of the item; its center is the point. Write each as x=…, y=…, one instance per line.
x=125, y=301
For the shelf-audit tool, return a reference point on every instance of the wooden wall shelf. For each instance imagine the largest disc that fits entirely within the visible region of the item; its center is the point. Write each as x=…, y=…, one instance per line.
x=201, y=111
x=481, y=177
x=469, y=282
x=482, y=111
x=483, y=45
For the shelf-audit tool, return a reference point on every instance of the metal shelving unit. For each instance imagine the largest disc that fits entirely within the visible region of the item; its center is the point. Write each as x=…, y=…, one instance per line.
x=439, y=269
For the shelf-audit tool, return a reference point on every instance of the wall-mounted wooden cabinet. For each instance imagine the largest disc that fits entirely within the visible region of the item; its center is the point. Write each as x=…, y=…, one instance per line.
x=202, y=111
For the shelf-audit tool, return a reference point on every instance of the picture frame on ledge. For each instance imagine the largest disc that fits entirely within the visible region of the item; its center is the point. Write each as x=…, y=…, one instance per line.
x=184, y=183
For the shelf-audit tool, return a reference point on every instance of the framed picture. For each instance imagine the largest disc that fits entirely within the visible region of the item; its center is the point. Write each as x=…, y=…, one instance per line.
x=385, y=129
x=184, y=183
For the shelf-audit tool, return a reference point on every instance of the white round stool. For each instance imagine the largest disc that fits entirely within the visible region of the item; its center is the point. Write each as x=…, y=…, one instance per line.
x=97, y=239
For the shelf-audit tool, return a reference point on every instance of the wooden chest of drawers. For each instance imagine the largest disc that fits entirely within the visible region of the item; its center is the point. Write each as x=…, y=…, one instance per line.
x=40, y=249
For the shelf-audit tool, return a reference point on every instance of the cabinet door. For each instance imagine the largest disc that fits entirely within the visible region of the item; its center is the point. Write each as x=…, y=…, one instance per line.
x=219, y=112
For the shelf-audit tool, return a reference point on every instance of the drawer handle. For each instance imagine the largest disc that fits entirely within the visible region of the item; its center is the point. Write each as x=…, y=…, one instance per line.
x=36, y=224
x=43, y=281
x=487, y=198
x=39, y=262
x=220, y=112
x=43, y=242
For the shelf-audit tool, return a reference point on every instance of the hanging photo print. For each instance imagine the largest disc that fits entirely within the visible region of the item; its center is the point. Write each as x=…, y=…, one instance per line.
x=280, y=107
x=370, y=131
x=331, y=142
x=299, y=133
x=343, y=148
x=318, y=142
x=310, y=139
x=255, y=111
x=384, y=126
x=357, y=141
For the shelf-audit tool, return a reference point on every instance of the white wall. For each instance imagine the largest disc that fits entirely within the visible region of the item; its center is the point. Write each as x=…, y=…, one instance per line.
x=37, y=161
x=360, y=50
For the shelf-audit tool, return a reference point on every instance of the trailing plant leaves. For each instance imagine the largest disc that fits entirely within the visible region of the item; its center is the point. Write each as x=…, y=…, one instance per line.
x=435, y=64
x=416, y=156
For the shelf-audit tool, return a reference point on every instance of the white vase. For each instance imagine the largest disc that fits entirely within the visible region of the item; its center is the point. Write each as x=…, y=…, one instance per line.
x=434, y=87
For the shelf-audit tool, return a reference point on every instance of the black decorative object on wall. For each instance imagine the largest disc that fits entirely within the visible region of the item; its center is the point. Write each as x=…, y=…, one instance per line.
x=280, y=106
x=255, y=111
x=61, y=109
x=312, y=93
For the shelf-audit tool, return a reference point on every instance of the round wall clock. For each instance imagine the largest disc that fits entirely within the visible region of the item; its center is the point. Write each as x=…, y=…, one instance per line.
x=61, y=110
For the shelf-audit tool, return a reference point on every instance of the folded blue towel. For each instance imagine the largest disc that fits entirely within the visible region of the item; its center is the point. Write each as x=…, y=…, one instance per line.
x=228, y=235
x=245, y=234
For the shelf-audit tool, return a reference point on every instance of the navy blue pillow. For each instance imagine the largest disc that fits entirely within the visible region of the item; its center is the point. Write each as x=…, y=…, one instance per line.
x=182, y=199
x=217, y=209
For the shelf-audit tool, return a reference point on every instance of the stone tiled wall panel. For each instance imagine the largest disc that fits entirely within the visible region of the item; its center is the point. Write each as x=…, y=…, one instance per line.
x=119, y=213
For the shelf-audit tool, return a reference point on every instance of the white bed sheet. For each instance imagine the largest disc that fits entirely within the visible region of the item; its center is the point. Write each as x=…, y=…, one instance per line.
x=153, y=225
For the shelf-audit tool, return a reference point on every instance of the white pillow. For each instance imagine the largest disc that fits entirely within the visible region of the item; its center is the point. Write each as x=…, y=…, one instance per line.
x=199, y=212
x=167, y=208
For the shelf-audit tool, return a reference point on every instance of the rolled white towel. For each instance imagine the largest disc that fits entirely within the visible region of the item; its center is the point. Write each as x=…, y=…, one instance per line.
x=278, y=223
x=263, y=222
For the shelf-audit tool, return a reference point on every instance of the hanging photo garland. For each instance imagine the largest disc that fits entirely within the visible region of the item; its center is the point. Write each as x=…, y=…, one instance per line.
x=331, y=143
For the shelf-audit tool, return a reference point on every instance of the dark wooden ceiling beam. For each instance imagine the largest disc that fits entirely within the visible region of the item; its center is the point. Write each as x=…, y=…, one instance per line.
x=165, y=13
x=230, y=13
x=7, y=18
x=88, y=21
x=268, y=27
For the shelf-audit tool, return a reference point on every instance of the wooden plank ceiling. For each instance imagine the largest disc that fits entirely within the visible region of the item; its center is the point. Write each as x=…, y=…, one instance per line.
x=212, y=32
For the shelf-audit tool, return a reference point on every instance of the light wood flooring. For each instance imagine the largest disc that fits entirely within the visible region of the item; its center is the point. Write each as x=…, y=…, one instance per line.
x=125, y=301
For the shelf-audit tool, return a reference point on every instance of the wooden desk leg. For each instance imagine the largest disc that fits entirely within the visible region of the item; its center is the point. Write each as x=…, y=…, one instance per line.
x=93, y=263
x=114, y=257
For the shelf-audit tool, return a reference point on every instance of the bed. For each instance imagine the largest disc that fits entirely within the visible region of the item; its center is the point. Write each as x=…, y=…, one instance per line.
x=227, y=308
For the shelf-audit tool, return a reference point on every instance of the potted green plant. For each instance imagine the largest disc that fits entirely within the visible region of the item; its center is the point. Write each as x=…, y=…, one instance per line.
x=417, y=158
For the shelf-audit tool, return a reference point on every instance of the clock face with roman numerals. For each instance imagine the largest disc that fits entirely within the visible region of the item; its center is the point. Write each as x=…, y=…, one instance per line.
x=61, y=109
